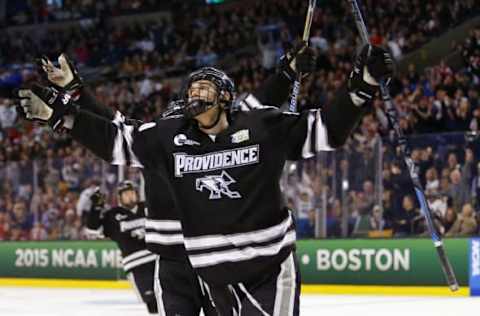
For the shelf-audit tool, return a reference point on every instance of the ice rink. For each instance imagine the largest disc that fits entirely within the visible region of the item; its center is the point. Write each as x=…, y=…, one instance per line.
x=84, y=302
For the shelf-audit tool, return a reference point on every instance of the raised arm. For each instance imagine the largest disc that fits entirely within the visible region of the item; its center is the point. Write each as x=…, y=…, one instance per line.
x=66, y=78
x=276, y=89
x=312, y=131
x=94, y=228
x=116, y=140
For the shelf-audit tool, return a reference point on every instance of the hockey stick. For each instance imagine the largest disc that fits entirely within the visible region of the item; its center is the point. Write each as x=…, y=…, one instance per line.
x=404, y=150
x=306, y=35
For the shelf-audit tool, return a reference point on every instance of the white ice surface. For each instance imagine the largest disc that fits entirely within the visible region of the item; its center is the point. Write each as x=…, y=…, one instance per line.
x=80, y=302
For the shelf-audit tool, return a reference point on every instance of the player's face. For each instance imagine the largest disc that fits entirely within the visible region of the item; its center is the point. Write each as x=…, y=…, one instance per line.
x=203, y=90
x=129, y=198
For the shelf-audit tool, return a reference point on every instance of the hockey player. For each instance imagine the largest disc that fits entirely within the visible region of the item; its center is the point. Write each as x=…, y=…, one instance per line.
x=125, y=224
x=178, y=285
x=223, y=167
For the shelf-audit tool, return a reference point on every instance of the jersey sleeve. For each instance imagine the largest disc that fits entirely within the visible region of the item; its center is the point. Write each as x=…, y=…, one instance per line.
x=86, y=100
x=305, y=134
x=117, y=141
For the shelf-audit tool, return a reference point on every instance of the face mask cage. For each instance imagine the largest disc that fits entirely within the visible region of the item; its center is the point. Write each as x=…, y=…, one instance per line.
x=205, y=89
x=201, y=96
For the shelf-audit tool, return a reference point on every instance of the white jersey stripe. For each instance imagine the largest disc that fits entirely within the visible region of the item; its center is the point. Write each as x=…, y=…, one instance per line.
x=236, y=255
x=168, y=225
x=286, y=286
x=139, y=262
x=307, y=151
x=215, y=241
x=315, y=125
x=253, y=300
x=124, y=135
x=127, y=134
x=164, y=239
x=157, y=286
x=136, y=255
x=322, y=134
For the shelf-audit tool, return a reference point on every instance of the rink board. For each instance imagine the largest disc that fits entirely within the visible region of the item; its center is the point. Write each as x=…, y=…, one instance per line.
x=353, y=266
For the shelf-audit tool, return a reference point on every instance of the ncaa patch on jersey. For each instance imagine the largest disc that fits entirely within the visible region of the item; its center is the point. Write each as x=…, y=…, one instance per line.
x=241, y=136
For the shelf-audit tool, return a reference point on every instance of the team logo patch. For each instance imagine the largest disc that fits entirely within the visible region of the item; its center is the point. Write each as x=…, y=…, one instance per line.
x=241, y=136
x=217, y=185
x=120, y=217
x=181, y=139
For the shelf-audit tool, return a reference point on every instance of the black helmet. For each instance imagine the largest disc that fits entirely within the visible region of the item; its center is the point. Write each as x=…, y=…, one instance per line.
x=125, y=186
x=224, y=84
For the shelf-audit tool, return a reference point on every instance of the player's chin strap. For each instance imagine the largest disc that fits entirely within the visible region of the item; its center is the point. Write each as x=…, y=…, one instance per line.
x=219, y=116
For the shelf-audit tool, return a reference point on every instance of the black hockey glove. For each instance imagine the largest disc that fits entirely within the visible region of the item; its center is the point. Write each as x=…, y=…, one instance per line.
x=372, y=65
x=301, y=59
x=63, y=78
x=97, y=199
x=46, y=105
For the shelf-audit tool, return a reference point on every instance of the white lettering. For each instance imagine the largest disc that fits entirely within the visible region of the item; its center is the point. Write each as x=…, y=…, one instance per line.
x=108, y=258
x=368, y=253
x=57, y=258
x=91, y=259
x=401, y=260
x=355, y=262
x=475, y=258
x=185, y=163
x=342, y=264
x=383, y=266
x=66, y=258
x=323, y=259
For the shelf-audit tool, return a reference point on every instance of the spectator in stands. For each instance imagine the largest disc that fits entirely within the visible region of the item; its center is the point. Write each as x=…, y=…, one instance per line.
x=458, y=190
x=70, y=226
x=21, y=220
x=305, y=213
x=38, y=232
x=432, y=182
x=448, y=220
x=376, y=219
x=465, y=224
x=407, y=223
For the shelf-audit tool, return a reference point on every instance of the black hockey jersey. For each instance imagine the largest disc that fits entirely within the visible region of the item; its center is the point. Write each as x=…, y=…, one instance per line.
x=127, y=229
x=163, y=228
x=226, y=188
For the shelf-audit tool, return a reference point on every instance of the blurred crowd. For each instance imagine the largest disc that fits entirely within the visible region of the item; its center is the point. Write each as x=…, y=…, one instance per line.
x=45, y=179
x=24, y=12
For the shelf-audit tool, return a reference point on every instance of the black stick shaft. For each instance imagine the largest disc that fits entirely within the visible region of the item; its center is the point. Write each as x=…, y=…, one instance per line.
x=305, y=37
x=404, y=150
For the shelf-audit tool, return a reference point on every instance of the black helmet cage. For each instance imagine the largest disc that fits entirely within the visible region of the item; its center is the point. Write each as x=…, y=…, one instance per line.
x=222, y=82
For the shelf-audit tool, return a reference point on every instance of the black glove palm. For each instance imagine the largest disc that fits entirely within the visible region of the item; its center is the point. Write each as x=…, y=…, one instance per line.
x=46, y=105
x=98, y=199
x=65, y=77
x=300, y=60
